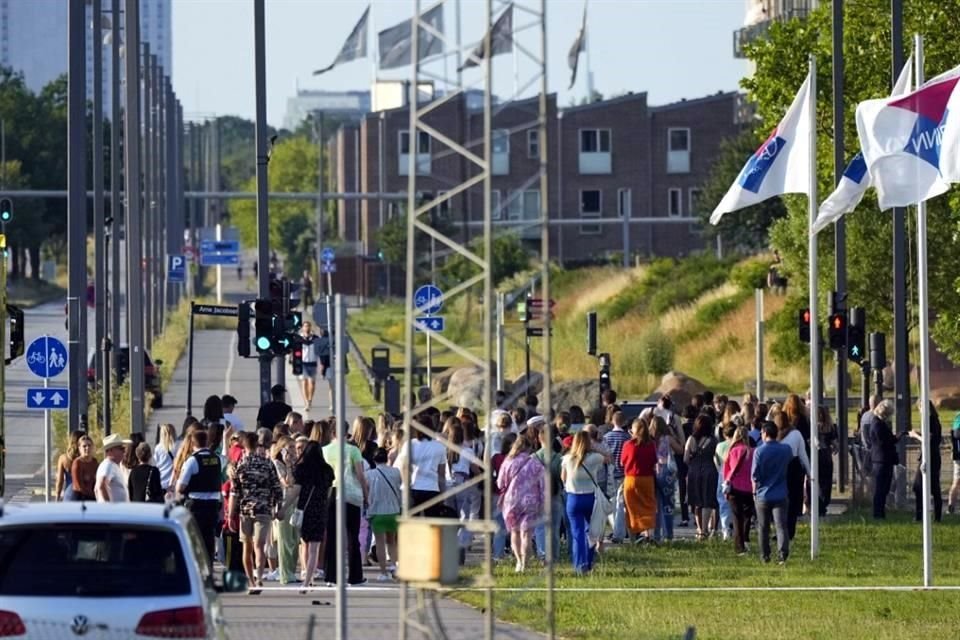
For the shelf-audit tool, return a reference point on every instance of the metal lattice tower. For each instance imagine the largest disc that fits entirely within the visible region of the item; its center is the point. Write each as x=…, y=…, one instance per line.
x=477, y=154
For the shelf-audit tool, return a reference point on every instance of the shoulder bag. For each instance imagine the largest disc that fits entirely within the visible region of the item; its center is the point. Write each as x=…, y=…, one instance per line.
x=296, y=518
x=601, y=501
x=390, y=484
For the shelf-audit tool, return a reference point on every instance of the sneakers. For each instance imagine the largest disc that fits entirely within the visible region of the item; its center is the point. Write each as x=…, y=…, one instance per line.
x=272, y=576
x=357, y=584
x=384, y=577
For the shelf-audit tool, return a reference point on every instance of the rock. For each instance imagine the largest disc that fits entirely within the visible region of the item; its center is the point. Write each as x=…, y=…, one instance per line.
x=441, y=381
x=465, y=387
x=536, y=384
x=946, y=398
x=584, y=393
x=681, y=388
x=889, y=378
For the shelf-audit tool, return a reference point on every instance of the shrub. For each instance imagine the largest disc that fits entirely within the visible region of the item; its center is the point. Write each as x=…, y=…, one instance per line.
x=656, y=351
x=751, y=274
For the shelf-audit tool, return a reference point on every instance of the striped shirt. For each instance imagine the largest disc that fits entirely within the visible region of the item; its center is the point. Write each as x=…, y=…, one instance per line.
x=614, y=440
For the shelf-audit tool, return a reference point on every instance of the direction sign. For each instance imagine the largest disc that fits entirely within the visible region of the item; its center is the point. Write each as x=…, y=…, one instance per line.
x=214, y=310
x=50, y=398
x=327, y=255
x=216, y=259
x=46, y=357
x=328, y=267
x=176, y=268
x=428, y=299
x=537, y=332
x=540, y=303
x=434, y=323
x=219, y=246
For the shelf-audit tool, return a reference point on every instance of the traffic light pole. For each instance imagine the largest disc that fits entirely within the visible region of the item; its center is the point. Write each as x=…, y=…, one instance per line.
x=3, y=369
x=840, y=238
x=263, y=227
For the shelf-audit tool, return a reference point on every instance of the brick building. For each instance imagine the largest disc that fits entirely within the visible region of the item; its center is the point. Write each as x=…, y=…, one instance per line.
x=609, y=159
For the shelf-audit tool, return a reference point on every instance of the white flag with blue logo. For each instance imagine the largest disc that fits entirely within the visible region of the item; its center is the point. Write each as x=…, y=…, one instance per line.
x=901, y=140
x=781, y=164
x=950, y=145
x=856, y=180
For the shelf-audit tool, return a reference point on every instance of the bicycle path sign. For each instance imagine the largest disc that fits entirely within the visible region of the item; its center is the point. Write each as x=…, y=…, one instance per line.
x=46, y=357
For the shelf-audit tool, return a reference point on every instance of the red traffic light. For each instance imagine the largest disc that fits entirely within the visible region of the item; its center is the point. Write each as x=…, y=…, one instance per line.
x=806, y=316
x=838, y=322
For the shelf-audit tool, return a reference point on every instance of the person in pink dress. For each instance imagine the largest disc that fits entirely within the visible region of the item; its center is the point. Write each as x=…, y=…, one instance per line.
x=520, y=482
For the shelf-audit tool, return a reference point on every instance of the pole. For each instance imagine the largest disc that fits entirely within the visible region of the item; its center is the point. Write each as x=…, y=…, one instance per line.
x=320, y=212
x=131, y=137
x=116, y=207
x=900, y=316
x=76, y=203
x=339, y=411
x=147, y=220
x=814, y=318
x=626, y=228
x=190, y=363
x=500, y=346
x=840, y=238
x=263, y=227
x=47, y=447
x=381, y=179
x=219, y=236
x=99, y=230
x=923, y=286
x=3, y=369
x=758, y=298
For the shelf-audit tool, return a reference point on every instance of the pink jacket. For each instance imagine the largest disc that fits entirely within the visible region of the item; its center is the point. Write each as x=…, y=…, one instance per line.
x=736, y=468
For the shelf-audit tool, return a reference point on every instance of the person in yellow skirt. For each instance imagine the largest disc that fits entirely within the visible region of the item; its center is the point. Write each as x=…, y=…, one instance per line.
x=639, y=460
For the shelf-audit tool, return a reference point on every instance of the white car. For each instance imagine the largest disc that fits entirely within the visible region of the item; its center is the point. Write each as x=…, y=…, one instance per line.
x=82, y=569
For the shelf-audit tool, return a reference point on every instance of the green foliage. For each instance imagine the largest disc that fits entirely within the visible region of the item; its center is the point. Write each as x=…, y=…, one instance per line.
x=392, y=240
x=785, y=344
x=656, y=351
x=509, y=258
x=751, y=274
x=781, y=64
x=293, y=167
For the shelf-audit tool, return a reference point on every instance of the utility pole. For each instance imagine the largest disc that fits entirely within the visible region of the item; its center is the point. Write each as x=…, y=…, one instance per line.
x=263, y=226
x=839, y=163
x=116, y=207
x=131, y=138
x=76, y=206
x=147, y=228
x=99, y=229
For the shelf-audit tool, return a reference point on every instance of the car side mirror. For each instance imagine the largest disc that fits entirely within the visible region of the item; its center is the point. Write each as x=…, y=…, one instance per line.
x=158, y=362
x=234, y=581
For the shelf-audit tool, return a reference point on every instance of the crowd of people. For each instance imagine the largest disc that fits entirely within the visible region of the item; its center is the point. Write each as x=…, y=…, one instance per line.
x=263, y=498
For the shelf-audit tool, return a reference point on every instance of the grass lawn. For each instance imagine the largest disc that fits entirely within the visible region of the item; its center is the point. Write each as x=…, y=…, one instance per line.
x=854, y=552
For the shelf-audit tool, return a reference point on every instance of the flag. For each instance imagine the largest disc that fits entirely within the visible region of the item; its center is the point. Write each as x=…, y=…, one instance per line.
x=950, y=145
x=355, y=45
x=578, y=46
x=781, y=164
x=397, y=41
x=855, y=180
x=901, y=141
x=501, y=39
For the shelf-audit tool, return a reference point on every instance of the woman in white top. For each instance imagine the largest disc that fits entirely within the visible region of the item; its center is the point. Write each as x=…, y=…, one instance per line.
x=578, y=471
x=164, y=454
x=428, y=461
x=383, y=508
x=460, y=468
x=797, y=470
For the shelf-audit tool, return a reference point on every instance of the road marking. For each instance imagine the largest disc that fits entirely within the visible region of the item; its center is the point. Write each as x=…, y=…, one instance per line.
x=230, y=361
x=710, y=589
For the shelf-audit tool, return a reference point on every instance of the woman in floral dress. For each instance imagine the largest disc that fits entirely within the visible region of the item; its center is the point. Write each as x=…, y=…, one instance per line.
x=520, y=482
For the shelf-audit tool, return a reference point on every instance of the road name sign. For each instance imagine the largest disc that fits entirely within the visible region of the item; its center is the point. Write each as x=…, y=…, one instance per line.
x=214, y=310
x=219, y=259
x=46, y=357
x=219, y=246
x=435, y=323
x=537, y=332
x=48, y=398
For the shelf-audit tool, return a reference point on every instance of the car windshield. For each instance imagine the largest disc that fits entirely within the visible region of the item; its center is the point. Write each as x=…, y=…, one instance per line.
x=91, y=561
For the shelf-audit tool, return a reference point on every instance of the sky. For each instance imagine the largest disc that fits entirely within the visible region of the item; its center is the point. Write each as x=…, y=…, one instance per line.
x=672, y=49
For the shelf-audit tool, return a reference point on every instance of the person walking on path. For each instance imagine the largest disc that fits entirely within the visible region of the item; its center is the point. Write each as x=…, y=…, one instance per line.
x=164, y=454
x=827, y=447
x=110, y=485
x=639, y=461
x=520, y=482
x=579, y=474
x=383, y=508
x=144, y=485
x=83, y=470
x=308, y=377
x=769, y=478
x=199, y=484
x=256, y=495
x=276, y=410
x=64, y=483
x=615, y=439
x=936, y=439
x=668, y=445
x=355, y=494
x=284, y=533
x=314, y=477
x=798, y=468
x=883, y=456
x=702, y=474
x=738, y=487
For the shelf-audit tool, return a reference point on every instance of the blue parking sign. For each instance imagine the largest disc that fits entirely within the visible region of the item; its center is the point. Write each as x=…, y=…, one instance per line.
x=176, y=268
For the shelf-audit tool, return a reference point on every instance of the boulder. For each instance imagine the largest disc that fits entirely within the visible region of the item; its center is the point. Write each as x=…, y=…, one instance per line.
x=440, y=382
x=681, y=388
x=946, y=398
x=583, y=393
x=465, y=387
x=536, y=384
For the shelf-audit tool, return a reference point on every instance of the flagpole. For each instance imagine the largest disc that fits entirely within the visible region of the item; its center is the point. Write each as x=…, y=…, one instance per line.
x=374, y=52
x=925, y=461
x=815, y=321
x=586, y=53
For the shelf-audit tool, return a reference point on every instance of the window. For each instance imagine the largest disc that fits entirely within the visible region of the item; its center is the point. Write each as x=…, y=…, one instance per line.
x=674, y=203
x=423, y=158
x=695, y=202
x=443, y=209
x=524, y=206
x=423, y=139
x=678, y=150
x=624, y=202
x=533, y=143
x=500, y=146
x=495, y=212
x=590, y=207
x=595, y=141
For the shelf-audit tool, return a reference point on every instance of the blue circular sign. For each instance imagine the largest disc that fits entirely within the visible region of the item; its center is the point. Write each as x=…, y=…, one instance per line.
x=46, y=357
x=327, y=254
x=428, y=299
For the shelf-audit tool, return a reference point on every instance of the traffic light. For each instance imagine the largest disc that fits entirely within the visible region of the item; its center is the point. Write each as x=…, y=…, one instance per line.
x=803, y=324
x=297, y=359
x=856, y=334
x=16, y=332
x=878, y=351
x=292, y=321
x=592, y=333
x=837, y=330
x=605, y=364
x=6, y=210
x=243, y=329
x=263, y=326
x=522, y=311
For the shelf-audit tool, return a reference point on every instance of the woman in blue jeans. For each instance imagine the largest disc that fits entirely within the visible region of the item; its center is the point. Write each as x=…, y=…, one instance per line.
x=578, y=472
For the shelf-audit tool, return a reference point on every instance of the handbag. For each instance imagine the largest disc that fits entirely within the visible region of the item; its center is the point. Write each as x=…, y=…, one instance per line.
x=601, y=501
x=296, y=518
x=389, y=484
x=725, y=487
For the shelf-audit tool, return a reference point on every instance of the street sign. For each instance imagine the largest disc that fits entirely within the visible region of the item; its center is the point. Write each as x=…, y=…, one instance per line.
x=214, y=310
x=176, y=268
x=49, y=398
x=217, y=259
x=46, y=357
x=219, y=246
x=537, y=332
x=189, y=251
x=327, y=255
x=434, y=323
x=428, y=299
x=540, y=303
x=328, y=267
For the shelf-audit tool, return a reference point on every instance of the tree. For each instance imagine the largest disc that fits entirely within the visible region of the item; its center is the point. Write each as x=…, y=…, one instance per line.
x=509, y=258
x=781, y=64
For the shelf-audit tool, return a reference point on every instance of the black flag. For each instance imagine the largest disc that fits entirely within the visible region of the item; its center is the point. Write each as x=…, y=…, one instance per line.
x=397, y=41
x=355, y=46
x=578, y=45
x=501, y=39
